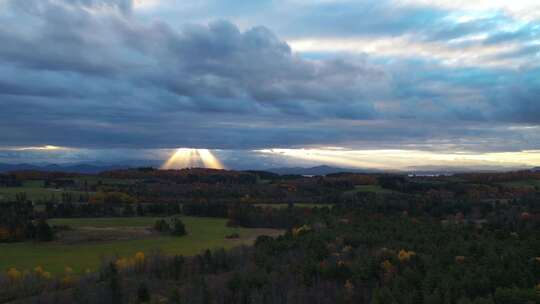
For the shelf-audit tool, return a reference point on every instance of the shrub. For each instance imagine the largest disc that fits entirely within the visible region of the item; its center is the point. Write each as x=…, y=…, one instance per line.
x=162, y=226
x=179, y=229
x=14, y=275
x=44, y=233
x=233, y=235
x=405, y=255
x=139, y=257
x=175, y=227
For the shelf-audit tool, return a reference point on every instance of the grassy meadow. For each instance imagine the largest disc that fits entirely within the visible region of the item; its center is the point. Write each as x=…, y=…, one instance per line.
x=35, y=191
x=35, y=194
x=203, y=233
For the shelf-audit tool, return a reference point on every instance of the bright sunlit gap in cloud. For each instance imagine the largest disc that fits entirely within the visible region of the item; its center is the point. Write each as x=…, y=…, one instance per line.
x=38, y=148
x=472, y=53
x=192, y=158
x=404, y=159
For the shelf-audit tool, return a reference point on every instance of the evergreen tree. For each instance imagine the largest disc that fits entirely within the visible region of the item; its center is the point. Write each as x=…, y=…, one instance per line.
x=179, y=229
x=143, y=294
x=44, y=232
x=140, y=210
x=115, y=285
x=161, y=225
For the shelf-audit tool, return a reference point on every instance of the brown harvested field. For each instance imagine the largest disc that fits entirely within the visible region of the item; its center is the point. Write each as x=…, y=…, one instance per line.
x=103, y=234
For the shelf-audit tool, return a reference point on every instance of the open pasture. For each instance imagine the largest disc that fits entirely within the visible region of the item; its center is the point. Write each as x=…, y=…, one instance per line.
x=36, y=192
x=203, y=233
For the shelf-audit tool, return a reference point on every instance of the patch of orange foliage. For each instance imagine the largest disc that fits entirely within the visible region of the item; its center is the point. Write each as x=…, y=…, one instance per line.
x=14, y=275
x=405, y=255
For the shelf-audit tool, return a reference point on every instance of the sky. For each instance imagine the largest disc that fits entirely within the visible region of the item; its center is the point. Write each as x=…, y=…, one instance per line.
x=366, y=84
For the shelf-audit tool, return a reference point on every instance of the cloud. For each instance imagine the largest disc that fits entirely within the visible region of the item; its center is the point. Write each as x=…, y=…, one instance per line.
x=40, y=6
x=402, y=159
x=105, y=79
x=100, y=75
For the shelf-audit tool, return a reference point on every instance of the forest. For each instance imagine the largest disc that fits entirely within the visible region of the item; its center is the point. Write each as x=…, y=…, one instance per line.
x=346, y=238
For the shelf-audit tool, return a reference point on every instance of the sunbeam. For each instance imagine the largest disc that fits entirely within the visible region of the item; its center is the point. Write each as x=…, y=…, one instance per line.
x=209, y=159
x=191, y=158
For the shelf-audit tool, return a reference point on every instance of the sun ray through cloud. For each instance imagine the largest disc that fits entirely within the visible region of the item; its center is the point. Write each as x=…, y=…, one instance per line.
x=406, y=159
x=191, y=158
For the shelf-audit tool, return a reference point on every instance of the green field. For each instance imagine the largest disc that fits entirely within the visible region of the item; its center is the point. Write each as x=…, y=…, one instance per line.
x=112, y=222
x=203, y=233
x=35, y=191
x=35, y=194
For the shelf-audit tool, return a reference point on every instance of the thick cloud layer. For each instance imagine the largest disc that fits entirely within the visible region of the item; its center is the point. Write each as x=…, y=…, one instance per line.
x=100, y=74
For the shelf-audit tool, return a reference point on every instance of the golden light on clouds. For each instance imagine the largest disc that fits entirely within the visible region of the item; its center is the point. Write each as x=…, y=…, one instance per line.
x=403, y=159
x=191, y=158
x=209, y=160
x=39, y=148
x=473, y=53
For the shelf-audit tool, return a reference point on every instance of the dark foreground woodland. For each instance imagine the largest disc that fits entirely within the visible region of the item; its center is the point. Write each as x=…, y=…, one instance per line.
x=471, y=238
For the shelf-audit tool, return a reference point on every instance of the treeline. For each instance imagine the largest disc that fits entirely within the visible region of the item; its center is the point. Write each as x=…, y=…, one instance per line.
x=63, y=210
x=206, y=209
x=185, y=176
x=227, y=186
x=17, y=223
x=499, y=176
x=488, y=186
x=332, y=189
x=9, y=180
x=25, y=175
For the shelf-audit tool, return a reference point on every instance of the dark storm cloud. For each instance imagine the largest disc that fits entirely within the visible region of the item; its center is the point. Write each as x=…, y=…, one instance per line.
x=89, y=74
x=221, y=61
x=17, y=89
x=137, y=84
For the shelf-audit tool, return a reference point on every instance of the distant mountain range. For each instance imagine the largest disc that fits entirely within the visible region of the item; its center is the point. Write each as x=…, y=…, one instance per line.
x=444, y=170
x=72, y=168
x=417, y=170
x=318, y=170
x=93, y=168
